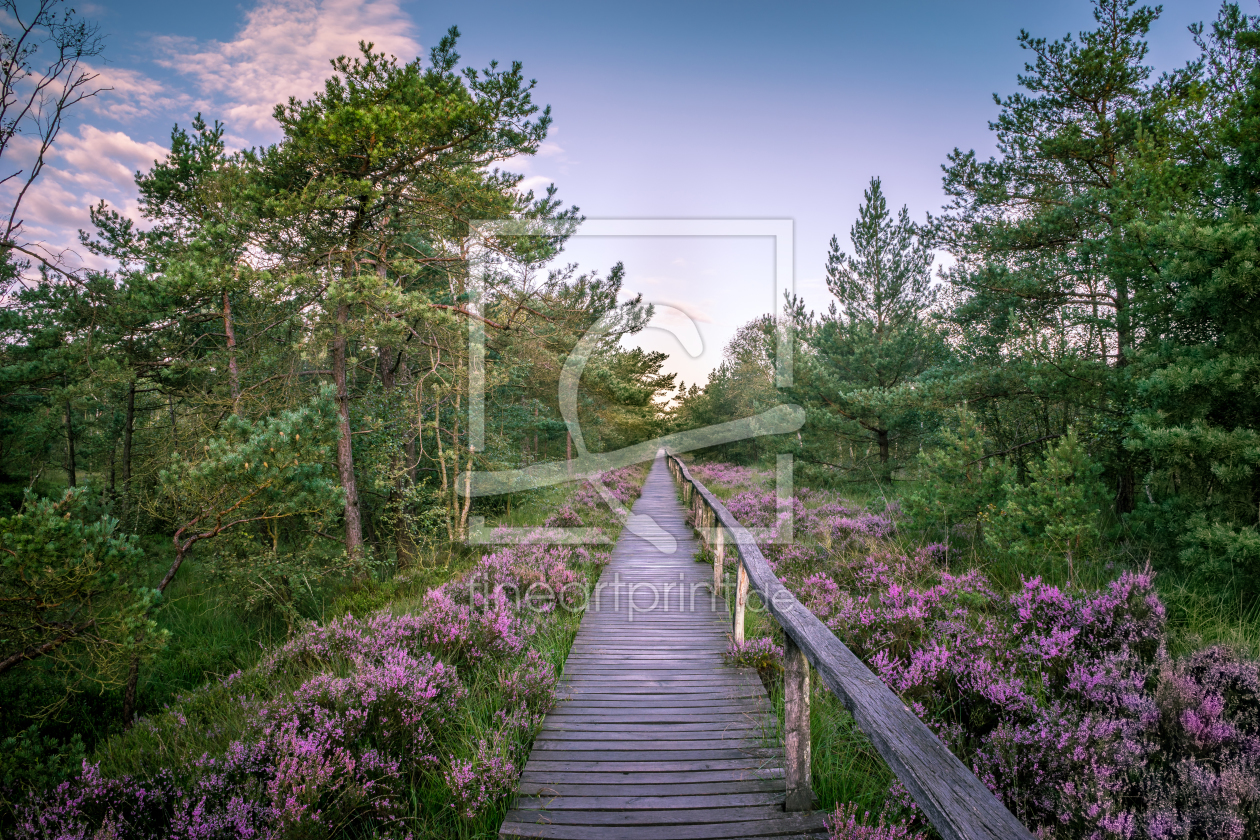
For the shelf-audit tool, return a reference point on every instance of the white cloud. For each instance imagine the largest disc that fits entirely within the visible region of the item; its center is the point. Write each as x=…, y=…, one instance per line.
x=82, y=169
x=537, y=183
x=549, y=148
x=105, y=159
x=550, y=155
x=131, y=95
x=283, y=50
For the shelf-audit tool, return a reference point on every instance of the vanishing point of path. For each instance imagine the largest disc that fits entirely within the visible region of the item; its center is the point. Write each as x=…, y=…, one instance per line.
x=655, y=736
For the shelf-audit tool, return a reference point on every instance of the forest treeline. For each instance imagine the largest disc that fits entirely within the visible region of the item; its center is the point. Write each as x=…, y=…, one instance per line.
x=1070, y=351
x=263, y=402
x=272, y=379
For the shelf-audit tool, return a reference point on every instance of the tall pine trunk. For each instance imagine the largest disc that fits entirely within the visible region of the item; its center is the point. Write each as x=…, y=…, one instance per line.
x=391, y=361
x=71, y=467
x=1126, y=489
x=234, y=375
x=345, y=452
x=129, y=426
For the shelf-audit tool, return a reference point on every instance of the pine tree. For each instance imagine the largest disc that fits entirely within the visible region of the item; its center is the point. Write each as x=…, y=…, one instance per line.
x=1052, y=267
x=1055, y=513
x=860, y=357
x=1197, y=418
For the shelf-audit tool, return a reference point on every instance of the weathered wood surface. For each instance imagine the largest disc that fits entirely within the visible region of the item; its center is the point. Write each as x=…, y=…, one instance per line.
x=957, y=804
x=656, y=736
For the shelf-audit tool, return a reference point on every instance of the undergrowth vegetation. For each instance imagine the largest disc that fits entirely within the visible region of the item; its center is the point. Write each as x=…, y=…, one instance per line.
x=409, y=720
x=1079, y=704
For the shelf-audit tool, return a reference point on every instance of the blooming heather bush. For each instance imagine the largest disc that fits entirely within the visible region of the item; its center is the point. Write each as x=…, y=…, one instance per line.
x=845, y=825
x=762, y=654
x=760, y=508
x=478, y=783
x=624, y=485
x=488, y=628
x=308, y=763
x=374, y=713
x=727, y=475
x=1064, y=702
x=531, y=684
x=565, y=517
x=534, y=574
x=1206, y=779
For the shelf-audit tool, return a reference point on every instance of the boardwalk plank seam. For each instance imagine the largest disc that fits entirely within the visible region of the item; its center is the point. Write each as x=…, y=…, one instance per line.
x=656, y=735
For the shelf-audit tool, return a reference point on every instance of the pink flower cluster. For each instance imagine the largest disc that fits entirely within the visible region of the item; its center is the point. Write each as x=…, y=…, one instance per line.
x=762, y=654
x=727, y=475
x=624, y=484
x=820, y=526
x=478, y=783
x=376, y=708
x=1064, y=702
x=336, y=749
x=845, y=824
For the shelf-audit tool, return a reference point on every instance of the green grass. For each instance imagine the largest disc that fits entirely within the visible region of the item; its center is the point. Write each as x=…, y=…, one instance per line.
x=1199, y=617
x=213, y=637
x=844, y=765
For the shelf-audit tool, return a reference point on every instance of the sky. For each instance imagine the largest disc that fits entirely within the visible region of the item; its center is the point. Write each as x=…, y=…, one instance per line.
x=678, y=110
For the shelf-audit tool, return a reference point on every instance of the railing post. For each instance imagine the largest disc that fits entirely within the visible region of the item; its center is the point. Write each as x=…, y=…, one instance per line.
x=800, y=797
x=719, y=551
x=741, y=600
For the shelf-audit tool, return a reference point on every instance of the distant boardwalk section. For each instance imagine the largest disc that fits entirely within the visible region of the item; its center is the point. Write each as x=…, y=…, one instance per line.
x=655, y=735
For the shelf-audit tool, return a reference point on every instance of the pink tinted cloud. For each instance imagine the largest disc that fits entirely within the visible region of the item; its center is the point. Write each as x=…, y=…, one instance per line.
x=130, y=94
x=283, y=50
x=82, y=169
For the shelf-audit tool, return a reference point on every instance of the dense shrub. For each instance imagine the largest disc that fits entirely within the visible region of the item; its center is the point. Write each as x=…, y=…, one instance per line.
x=1064, y=701
x=357, y=726
x=373, y=714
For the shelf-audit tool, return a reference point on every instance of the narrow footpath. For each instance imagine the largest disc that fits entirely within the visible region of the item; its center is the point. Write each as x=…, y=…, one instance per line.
x=655, y=735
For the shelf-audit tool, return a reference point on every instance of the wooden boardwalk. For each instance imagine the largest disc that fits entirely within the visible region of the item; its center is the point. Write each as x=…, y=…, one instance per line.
x=655, y=735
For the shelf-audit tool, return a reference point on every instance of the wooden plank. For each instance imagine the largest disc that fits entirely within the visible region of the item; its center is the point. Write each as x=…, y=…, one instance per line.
x=608, y=765
x=660, y=776
x=683, y=816
x=643, y=803
x=662, y=748
x=636, y=729
x=649, y=716
x=750, y=734
x=603, y=753
x=711, y=831
x=658, y=788
x=700, y=816
x=657, y=735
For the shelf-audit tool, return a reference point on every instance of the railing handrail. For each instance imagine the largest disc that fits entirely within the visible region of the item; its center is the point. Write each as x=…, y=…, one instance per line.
x=955, y=802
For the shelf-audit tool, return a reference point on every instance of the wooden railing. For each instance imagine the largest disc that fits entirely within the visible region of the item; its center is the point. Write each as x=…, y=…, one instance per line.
x=957, y=804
